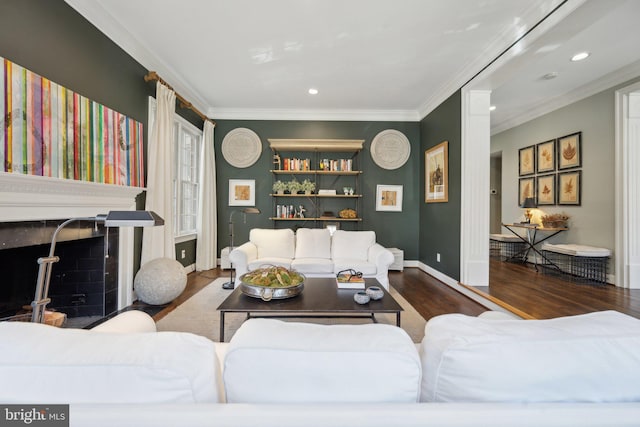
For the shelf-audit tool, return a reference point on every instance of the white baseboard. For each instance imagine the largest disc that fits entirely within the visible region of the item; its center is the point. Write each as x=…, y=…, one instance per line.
x=190, y=268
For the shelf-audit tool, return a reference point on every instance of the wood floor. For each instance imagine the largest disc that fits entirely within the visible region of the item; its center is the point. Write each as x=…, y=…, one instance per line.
x=520, y=286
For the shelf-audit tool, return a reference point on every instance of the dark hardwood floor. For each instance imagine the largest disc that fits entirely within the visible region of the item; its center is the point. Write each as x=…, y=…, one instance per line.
x=535, y=294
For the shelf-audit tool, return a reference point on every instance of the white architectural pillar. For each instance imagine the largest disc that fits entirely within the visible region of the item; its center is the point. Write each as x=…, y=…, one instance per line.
x=475, y=171
x=627, y=253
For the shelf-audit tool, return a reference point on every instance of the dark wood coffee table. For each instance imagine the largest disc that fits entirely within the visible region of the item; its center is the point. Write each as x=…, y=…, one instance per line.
x=320, y=298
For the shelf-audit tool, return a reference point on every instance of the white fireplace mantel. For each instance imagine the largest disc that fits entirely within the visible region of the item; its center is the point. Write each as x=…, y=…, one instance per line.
x=34, y=198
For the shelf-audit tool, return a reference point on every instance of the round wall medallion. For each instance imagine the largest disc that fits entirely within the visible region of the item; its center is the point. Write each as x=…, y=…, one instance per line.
x=390, y=149
x=241, y=147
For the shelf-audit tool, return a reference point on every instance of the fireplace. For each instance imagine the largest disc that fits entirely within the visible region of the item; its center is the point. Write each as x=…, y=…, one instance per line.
x=84, y=283
x=36, y=205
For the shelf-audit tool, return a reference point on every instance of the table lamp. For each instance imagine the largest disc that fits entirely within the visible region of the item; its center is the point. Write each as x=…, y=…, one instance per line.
x=112, y=219
x=528, y=204
x=231, y=283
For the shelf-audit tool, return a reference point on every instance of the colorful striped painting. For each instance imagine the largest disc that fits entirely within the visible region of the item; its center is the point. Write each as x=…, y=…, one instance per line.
x=49, y=130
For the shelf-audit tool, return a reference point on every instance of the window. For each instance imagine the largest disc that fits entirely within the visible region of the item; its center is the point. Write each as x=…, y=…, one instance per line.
x=186, y=148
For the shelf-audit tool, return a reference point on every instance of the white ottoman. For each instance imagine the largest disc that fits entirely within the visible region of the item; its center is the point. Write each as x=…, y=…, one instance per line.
x=160, y=281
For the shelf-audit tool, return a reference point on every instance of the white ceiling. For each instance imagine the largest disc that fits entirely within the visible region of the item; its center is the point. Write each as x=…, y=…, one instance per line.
x=369, y=59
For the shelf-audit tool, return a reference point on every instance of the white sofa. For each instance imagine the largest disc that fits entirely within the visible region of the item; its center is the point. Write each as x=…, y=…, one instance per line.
x=314, y=252
x=581, y=370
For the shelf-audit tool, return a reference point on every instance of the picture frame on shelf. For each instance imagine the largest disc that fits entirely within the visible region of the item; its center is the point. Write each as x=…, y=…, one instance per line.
x=570, y=188
x=242, y=192
x=389, y=198
x=570, y=151
x=546, y=189
x=546, y=156
x=527, y=160
x=526, y=188
x=436, y=162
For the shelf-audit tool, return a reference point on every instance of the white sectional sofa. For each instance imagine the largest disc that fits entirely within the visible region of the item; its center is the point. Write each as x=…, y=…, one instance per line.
x=314, y=252
x=468, y=371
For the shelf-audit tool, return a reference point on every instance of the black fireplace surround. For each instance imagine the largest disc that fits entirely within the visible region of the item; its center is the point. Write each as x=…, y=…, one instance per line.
x=83, y=283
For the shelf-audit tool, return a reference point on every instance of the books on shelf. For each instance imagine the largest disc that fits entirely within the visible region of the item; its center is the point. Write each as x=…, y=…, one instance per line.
x=346, y=281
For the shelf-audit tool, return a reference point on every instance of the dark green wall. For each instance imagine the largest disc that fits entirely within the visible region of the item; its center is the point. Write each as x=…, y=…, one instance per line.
x=393, y=229
x=440, y=222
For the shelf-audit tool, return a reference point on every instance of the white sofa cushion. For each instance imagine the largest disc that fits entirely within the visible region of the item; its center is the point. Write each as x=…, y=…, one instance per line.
x=364, y=267
x=270, y=361
x=312, y=265
x=313, y=243
x=588, y=358
x=262, y=262
x=273, y=243
x=352, y=244
x=44, y=364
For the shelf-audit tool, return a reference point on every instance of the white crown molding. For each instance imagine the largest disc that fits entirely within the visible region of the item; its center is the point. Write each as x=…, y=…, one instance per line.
x=530, y=17
x=608, y=81
x=108, y=25
x=319, y=115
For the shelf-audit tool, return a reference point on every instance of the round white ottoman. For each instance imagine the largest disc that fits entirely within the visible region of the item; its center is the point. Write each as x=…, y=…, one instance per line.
x=160, y=281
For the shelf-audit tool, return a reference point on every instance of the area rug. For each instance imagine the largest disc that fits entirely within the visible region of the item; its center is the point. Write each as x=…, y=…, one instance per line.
x=198, y=315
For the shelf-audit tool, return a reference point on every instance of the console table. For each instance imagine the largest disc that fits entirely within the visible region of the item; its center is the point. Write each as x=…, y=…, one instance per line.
x=532, y=239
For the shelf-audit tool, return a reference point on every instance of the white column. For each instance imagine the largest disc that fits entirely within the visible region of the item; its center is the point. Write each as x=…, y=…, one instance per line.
x=475, y=170
x=627, y=185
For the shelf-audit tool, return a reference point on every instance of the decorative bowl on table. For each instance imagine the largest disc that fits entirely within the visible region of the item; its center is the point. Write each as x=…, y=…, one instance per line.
x=272, y=282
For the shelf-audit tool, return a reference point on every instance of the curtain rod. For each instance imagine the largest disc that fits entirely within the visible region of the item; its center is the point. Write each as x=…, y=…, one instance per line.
x=153, y=76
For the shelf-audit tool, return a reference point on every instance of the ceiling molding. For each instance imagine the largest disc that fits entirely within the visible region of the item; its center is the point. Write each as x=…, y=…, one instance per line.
x=530, y=17
x=313, y=115
x=608, y=81
x=98, y=16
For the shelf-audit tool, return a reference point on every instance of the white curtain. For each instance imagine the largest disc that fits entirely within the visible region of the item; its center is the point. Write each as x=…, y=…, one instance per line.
x=207, y=248
x=158, y=242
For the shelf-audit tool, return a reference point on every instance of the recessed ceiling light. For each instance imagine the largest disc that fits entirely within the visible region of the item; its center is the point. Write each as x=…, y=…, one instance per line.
x=580, y=56
x=313, y=91
x=493, y=107
x=549, y=76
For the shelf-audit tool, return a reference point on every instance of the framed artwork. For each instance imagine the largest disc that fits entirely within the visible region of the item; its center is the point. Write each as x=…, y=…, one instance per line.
x=570, y=151
x=569, y=188
x=527, y=160
x=546, y=156
x=389, y=198
x=242, y=192
x=546, y=186
x=436, y=170
x=526, y=188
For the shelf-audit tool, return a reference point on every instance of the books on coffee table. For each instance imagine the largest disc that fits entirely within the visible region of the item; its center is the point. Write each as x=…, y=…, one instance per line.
x=347, y=281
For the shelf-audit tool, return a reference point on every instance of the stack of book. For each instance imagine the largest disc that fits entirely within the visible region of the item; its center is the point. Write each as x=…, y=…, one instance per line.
x=347, y=281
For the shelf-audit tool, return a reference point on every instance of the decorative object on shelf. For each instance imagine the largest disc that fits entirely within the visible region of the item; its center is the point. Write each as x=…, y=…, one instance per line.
x=254, y=211
x=45, y=264
x=277, y=162
x=526, y=161
x=242, y=192
x=326, y=192
x=569, y=188
x=49, y=130
x=436, y=160
x=570, y=151
x=308, y=186
x=241, y=147
x=327, y=215
x=348, y=214
x=389, y=198
x=294, y=186
x=375, y=292
x=390, y=149
x=300, y=212
x=546, y=156
x=546, y=186
x=529, y=203
x=160, y=281
x=272, y=282
x=361, y=297
x=279, y=187
x=556, y=220
x=526, y=188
